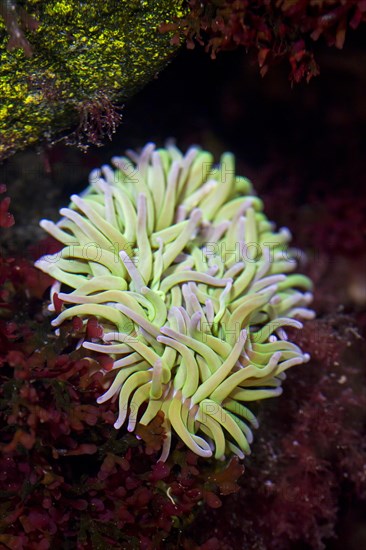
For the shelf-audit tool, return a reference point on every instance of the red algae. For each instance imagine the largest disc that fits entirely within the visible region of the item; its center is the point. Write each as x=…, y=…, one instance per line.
x=309, y=459
x=67, y=477
x=271, y=30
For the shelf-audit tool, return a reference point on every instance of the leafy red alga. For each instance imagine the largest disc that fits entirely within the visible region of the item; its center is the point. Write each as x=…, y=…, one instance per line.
x=308, y=459
x=67, y=477
x=286, y=29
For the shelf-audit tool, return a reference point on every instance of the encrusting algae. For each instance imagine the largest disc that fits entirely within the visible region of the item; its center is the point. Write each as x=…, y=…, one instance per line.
x=72, y=61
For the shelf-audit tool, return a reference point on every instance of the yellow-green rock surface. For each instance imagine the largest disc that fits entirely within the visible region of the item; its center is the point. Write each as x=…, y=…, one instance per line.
x=85, y=56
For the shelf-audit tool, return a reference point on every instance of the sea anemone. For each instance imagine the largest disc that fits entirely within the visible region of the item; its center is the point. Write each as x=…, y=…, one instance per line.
x=175, y=258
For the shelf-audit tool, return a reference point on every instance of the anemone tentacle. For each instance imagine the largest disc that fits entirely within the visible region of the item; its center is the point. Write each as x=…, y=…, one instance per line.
x=193, y=287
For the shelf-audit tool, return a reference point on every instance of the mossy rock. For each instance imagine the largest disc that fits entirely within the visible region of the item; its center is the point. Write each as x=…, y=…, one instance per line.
x=81, y=58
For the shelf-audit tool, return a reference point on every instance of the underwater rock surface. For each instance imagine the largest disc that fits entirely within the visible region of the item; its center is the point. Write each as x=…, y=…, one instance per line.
x=66, y=63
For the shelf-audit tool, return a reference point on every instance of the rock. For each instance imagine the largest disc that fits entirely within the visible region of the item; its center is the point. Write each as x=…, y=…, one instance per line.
x=64, y=65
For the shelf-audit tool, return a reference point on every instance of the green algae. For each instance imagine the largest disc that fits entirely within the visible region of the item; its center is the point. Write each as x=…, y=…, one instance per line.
x=87, y=55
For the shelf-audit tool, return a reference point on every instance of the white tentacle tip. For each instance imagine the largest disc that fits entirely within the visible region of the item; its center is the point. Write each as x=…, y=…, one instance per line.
x=119, y=423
